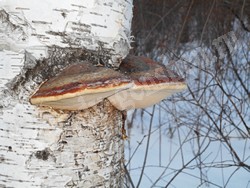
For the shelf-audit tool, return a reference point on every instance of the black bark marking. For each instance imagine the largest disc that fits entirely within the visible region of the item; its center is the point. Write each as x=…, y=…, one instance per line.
x=98, y=25
x=63, y=142
x=43, y=154
x=10, y=148
x=2, y=159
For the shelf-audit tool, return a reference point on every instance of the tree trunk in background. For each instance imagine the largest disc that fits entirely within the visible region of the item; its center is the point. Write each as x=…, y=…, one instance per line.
x=41, y=147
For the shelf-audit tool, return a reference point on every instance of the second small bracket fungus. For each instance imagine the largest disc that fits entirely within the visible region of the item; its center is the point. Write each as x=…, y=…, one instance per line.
x=80, y=86
x=152, y=82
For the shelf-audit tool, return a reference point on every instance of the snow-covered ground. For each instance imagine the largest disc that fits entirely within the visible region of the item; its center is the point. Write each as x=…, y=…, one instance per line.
x=194, y=134
x=166, y=160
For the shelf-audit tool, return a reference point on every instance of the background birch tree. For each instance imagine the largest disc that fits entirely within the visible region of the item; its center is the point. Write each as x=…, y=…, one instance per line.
x=41, y=147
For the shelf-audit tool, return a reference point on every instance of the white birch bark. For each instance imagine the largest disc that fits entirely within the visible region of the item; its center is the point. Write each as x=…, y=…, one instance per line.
x=41, y=147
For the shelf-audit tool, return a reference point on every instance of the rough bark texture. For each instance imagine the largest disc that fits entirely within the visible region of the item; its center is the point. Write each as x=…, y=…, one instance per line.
x=41, y=147
x=63, y=149
x=33, y=25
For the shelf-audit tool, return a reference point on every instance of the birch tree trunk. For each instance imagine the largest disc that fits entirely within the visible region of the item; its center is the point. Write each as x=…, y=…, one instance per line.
x=42, y=147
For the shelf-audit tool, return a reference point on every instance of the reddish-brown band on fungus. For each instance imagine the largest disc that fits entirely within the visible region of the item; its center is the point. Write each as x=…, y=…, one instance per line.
x=139, y=83
x=80, y=86
x=152, y=82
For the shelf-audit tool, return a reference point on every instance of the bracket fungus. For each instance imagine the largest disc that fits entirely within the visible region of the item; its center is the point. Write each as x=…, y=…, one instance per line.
x=80, y=86
x=140, y=82
x=152, y=82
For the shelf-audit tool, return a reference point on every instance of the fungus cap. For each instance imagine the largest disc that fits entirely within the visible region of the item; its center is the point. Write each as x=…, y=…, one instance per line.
x=80, y=86
x=152, y=82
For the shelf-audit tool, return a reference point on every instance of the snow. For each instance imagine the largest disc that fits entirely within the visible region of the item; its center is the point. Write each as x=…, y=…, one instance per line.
x=186, y=148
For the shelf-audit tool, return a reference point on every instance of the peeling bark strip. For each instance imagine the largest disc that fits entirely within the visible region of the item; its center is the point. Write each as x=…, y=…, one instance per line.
x=41, y=147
